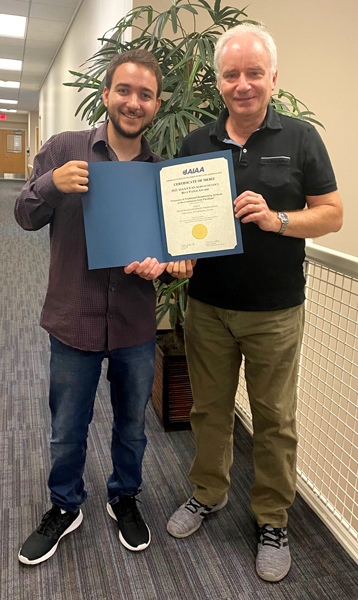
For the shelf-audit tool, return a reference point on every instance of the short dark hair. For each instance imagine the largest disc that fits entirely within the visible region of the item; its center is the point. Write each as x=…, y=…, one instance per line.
x=141, y=57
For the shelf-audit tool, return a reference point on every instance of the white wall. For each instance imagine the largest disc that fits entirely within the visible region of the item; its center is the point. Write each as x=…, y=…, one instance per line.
x=33, y=122
x=58, y=103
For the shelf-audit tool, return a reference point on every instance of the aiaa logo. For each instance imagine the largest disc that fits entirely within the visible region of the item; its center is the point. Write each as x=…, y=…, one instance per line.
x=194, y=170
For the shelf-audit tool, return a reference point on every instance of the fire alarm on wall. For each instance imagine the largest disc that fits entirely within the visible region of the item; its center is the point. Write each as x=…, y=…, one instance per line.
x=2, y=117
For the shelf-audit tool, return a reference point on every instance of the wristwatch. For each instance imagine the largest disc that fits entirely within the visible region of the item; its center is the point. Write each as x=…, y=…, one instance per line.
x=284, y=221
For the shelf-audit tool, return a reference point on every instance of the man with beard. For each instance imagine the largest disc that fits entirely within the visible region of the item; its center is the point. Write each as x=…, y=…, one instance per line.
x=95, y=314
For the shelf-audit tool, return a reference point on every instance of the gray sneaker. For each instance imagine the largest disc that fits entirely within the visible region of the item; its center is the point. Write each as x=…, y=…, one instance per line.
x=273, y=559
x=190, y=516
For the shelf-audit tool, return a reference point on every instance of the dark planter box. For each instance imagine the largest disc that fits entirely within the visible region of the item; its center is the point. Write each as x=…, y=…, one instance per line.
x=171, y=394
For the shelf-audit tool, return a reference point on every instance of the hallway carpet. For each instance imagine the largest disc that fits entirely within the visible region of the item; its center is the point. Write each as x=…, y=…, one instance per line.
x=216, y=563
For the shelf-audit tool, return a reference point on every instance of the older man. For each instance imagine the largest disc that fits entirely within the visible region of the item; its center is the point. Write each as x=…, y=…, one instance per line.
x=252, y=304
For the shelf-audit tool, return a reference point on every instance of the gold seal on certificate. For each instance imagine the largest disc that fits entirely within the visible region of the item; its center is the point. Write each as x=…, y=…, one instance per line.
x=197, y=207
x=199, y=231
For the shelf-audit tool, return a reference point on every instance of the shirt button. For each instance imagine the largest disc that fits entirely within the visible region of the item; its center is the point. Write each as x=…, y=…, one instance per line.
x=109, y=316
x=244, y=150
x=112, y=288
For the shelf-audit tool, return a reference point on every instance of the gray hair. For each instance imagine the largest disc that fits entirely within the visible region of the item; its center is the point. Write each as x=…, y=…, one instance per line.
x=259, y=31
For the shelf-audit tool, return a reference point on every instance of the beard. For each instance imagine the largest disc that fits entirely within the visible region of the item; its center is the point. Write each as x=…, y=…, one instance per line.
x=122, y=132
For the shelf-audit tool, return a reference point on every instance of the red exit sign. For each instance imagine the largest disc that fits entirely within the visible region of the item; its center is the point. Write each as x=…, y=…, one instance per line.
x=3, y=117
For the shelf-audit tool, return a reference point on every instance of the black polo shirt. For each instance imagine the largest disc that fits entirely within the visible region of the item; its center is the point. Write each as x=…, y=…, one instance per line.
x=285, y=161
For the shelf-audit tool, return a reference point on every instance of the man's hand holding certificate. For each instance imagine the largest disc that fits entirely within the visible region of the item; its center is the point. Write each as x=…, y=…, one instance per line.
x=173, y=210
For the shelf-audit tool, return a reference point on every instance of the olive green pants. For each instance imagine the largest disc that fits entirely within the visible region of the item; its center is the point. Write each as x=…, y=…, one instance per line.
x=216, y=339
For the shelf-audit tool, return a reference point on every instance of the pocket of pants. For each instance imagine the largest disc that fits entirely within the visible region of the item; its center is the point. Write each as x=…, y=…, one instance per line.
x=275, y=170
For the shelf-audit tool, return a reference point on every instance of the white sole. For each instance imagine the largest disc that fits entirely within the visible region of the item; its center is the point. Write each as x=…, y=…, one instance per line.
x=72, y=527
x=184, y=535
x=121, y=538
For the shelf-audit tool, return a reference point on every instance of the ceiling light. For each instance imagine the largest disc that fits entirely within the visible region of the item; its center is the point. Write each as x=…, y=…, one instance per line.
x=9, y=84
x=10, y=65
x=3, y=101
x=12, y=26
x=8, y=110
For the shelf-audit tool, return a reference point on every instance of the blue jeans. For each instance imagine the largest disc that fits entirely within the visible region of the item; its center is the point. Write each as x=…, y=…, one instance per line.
x=74, y=376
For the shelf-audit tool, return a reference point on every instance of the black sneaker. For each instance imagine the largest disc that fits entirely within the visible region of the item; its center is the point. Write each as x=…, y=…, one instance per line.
x=43, y=542
x=133, y=532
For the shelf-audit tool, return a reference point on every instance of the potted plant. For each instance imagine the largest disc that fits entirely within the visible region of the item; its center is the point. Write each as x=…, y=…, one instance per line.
x=190, y=99
x=171, y=395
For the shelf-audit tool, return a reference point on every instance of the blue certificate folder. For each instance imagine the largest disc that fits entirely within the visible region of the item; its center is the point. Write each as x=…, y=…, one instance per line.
x=123, y=212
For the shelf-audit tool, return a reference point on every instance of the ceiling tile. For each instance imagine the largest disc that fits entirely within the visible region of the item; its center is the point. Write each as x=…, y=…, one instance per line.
x=11, y=42
x=9, y=94
x=69, y=3
x=38, y=67
x=20, y=8
x=44, y=44
x=12, y=75
x=50, y=12
x=46, y=36
x=40, y=25
x=14, y=52
x=28, y=100
x=31, y=81
x=38, y=54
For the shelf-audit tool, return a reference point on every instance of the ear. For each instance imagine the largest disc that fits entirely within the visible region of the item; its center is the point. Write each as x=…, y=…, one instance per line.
x=157, y=106
x=105, y=96
x=274, y=79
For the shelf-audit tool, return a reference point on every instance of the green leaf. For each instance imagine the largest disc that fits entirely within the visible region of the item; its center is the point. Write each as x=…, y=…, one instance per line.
x=173, y=13
x=194, y=71
x=190, y=8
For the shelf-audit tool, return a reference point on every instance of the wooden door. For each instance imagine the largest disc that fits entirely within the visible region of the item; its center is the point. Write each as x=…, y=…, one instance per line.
x=12, y=152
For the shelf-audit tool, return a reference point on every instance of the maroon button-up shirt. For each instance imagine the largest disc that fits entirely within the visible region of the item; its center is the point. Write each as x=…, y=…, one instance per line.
x=90, y=310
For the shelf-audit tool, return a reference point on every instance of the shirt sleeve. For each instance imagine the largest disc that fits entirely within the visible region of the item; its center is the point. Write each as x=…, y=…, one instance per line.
x=39, y=196
x=318, y=174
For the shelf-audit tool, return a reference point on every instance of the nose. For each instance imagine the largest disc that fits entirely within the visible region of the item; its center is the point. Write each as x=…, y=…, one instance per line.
x=133, y=102
x=243, y=85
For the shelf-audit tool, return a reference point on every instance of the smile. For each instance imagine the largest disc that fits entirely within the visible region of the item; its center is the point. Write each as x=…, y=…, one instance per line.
x=130, y=116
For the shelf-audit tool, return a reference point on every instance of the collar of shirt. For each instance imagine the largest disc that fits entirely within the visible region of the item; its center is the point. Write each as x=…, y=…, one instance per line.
x=218, y=128
x=100, y=137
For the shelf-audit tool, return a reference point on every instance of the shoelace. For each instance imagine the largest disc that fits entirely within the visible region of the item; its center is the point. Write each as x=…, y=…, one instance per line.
x=49, y=523
x=272, y=536
x=193, y=505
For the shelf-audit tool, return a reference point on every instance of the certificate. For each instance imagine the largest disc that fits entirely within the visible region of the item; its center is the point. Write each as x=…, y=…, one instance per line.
x=171, y=210
x=197, y=207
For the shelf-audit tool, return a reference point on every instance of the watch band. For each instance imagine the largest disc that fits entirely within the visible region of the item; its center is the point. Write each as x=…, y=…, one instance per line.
x=284, y=222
